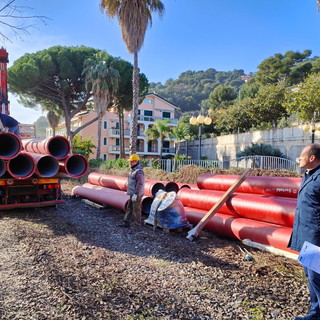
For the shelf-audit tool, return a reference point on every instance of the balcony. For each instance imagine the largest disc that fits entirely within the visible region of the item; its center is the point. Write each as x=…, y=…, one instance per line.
x=115, y=132
x=151, y=150
x=153, y=119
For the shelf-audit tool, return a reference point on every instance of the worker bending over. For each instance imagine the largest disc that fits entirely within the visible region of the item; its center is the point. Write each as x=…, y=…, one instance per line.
x=9, y=124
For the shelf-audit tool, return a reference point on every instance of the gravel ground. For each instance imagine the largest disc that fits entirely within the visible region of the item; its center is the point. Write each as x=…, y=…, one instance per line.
x=74, y=262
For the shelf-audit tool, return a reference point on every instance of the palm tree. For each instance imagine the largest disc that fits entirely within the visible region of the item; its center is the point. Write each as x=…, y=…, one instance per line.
x=103, y=81
x=180, y=133
x=160, y=130
x=134, y=16
x=53, y=120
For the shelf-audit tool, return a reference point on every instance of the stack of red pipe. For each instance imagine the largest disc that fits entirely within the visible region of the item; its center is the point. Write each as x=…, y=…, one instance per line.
x=22, y=159
x=262, y=209
x=111, y=191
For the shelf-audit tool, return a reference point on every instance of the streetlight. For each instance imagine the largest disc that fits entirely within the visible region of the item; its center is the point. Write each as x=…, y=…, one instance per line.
x=312, y=127
x=200, y=120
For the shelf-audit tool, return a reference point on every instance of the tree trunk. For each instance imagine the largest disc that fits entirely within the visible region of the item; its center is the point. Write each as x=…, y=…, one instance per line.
x=121, y=129
x=161, y=144
x=98, y=156
x=135, y=104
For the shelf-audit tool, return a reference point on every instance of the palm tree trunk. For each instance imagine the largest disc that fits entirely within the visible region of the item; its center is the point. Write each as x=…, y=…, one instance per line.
x=99, y=138
x=121, y=129
x=135, y=105
x=161, y=144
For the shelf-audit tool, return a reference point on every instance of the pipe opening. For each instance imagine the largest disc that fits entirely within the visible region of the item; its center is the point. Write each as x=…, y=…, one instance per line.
x=9, y=145
x=156, y=187
x=172, y=186
x=146, y=204
x=59, y=147
x=21, y=166
x=47, y=166
x=76, y=165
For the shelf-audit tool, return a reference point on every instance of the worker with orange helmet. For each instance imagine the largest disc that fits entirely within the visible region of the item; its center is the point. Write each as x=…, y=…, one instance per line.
x=135, y=190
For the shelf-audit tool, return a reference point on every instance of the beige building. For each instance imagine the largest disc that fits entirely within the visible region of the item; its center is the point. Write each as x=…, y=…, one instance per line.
x=151, y=109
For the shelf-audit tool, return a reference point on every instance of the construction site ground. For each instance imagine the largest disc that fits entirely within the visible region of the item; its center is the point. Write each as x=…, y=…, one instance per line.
x=73, y=262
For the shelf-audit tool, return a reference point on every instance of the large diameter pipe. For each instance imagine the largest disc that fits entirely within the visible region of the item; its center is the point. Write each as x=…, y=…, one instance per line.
x=242, y=228
x=276, y=186
x=75, y=165
x=111, y=197
x=57, y=146
x=108, y=181
x=271, y=209
x=10, y=145
x=168, y=185
x=22, y=166
x=187, y=185
x=46, y=166
x=151, y=187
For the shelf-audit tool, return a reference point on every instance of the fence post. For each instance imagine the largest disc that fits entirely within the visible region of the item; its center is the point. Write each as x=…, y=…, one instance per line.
x=169, y=165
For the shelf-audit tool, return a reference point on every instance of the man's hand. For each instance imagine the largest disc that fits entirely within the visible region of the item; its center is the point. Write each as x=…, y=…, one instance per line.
x=134, y=197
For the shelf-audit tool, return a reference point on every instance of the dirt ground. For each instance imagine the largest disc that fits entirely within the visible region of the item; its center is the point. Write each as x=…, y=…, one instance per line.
x=74, y=262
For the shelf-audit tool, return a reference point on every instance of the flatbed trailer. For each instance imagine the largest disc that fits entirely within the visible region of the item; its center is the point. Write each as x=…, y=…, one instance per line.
x=29, y=193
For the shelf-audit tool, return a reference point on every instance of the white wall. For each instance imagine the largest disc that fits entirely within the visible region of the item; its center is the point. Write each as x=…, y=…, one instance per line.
x=289, y=140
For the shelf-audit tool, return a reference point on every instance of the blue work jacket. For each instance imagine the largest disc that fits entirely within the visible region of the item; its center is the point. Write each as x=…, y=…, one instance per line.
x=306, y=226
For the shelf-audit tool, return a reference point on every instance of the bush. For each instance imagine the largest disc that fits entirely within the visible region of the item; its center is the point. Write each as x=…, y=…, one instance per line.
x=96, y=163
x=260, y=150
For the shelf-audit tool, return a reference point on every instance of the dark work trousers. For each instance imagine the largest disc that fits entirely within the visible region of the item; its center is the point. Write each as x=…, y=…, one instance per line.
x=133, y=211
x=314, y=289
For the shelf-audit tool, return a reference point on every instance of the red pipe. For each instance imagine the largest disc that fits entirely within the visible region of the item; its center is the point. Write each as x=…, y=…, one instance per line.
x=108, y=181
x=58, y=146
x=46, y=166
x=277, y=210
x=10, y=145
x=75, y=165
x=241, y=228
x=189, y=186
x=276, y=186
x=151, y=187
x=168, y=185
x=22, y=166
x=111, y=197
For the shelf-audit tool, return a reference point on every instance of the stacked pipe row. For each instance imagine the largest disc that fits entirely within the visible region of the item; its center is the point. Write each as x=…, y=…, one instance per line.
x=111, y=190
x=51, y=157
x=262, y=209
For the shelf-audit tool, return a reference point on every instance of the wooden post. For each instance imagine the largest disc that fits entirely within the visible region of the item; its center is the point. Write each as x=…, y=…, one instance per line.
x=196, y=230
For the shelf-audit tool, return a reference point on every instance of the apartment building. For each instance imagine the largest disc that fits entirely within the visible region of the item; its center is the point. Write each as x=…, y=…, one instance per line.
x=152, y=108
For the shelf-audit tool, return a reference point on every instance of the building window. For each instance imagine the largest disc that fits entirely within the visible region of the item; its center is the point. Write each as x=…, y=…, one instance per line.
x=148, y=101
x=166, y=114
x=104, y=157
x=105, y=124
x=148, y=113
x=105, y=141
x=117, y=142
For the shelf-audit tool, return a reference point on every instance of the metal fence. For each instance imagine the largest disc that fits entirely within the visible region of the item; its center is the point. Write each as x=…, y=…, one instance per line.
x=258, y=162
x=265, y=163
x=171, y=165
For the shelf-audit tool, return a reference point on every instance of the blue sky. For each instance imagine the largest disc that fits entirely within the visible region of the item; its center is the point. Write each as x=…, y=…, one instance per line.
x=192, y=35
